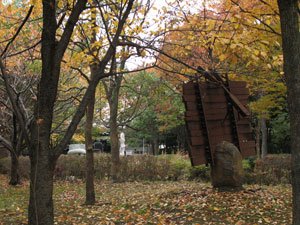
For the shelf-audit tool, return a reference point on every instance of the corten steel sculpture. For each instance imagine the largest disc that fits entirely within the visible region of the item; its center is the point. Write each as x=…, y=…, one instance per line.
x=216, y=111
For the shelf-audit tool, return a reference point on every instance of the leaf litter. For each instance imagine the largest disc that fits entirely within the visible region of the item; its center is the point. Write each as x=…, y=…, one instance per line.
x=154, y=203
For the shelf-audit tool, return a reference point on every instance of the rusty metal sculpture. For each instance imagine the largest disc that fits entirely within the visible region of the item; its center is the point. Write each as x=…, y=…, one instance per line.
x=216, y=111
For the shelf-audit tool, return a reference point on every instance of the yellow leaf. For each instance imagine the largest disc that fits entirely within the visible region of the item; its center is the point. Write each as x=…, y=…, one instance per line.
x=69, y=217
x=190, y=218
x=222, y=57
x=264, y=54
x=216, y=209
x=267, y=219
x=143, y=53
x=127, y=218
x=164, y=8
x=268, y=22
x=39, y=121
x=211, y=25
x=240, y=222
x=232, y=46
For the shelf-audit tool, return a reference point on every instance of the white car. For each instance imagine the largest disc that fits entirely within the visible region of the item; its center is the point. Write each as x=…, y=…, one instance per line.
x=77, y=149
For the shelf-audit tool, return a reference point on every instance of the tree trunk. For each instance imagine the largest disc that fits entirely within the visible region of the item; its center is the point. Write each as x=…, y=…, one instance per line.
x=90, y=198
x=289, y=18
x=257, y=137
x=90, y=190
x=115, y=154
x=14, y=155
x=14, y=173
x=155, y=145
x=112, y=94
x=40, y=210
x=264, y=137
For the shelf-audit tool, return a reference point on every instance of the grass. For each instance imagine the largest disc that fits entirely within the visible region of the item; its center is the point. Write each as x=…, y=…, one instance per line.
x=153, y=203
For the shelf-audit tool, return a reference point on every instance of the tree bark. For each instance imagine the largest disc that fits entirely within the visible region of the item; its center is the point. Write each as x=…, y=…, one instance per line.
x=257, y=137
x=155, y=145
x=113, y=125
x=90, y=171
x=115, y=154
x=14, y=169
x=15, y=153
x=90, y=190
x=90, y=198
x=289, y=19
x=112, y=91
x=264, y=136
x=40, y=210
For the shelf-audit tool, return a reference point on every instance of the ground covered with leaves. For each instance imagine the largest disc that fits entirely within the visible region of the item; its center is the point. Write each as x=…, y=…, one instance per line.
x=153, y=203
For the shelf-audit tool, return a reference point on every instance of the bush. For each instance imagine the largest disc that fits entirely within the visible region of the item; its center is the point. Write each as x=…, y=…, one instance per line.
x=200, y=173
x=251, y=160
x=179, y=166
x=24, y=166
x=132, y=168
x=274, y=169
x=70, y=165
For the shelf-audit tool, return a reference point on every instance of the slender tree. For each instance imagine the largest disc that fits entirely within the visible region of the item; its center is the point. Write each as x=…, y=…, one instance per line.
x=90, y=189
x=112, y=89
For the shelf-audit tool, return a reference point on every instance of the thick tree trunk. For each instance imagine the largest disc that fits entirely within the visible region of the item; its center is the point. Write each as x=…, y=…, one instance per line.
x=40, y=210
x=289, y=18
x=14, y=170
x=264, y=137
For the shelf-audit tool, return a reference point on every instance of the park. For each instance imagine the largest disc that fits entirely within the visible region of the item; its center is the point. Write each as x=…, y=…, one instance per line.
x=149, y=112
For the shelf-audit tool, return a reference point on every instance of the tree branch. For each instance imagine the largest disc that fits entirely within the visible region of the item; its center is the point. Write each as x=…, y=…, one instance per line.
x=18, y=31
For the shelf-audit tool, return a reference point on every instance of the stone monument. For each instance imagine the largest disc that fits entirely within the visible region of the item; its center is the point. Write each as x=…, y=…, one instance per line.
x=227, y=169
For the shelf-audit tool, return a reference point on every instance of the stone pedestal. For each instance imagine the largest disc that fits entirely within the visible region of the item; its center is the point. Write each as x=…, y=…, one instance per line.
x=227, y=170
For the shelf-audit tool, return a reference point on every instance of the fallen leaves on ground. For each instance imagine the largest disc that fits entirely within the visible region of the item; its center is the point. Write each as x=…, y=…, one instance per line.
x=155, y=203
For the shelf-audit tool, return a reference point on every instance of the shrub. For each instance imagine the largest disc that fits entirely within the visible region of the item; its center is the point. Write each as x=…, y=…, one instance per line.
x=200, y=173
x=274, y=169
x=24, y=166
x=145, y=167
x=132, y=168
x=70, y=165
x=179, y=166
x=251, y=163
